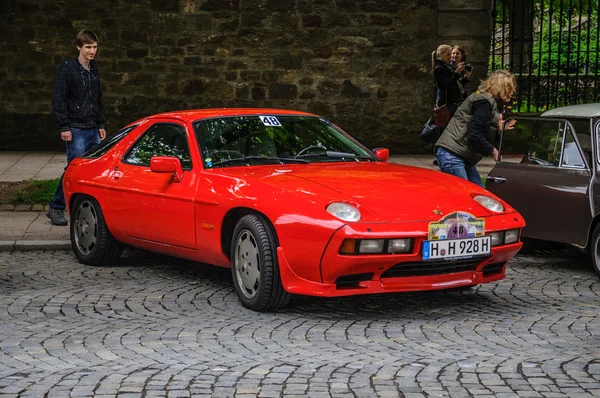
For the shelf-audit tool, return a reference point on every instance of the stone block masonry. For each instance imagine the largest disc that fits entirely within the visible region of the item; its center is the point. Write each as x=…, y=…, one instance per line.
x=364, y=64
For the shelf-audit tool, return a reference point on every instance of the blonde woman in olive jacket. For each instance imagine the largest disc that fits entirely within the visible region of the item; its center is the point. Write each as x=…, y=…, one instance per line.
x=471, y=133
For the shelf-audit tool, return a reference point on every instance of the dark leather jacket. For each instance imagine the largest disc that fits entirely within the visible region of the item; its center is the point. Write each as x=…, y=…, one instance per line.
x=77, y=96
x=448, y=90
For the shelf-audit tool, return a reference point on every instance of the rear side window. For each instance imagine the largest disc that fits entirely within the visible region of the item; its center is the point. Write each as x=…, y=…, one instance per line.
x=108, y=143
x=162, y=139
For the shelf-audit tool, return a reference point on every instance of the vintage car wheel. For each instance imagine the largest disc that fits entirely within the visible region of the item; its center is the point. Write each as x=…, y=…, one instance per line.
x=254, y=265
x=595, y=249
x=91, y=240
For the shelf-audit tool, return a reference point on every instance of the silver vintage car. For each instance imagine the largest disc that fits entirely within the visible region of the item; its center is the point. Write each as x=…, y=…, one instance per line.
x=549, y=172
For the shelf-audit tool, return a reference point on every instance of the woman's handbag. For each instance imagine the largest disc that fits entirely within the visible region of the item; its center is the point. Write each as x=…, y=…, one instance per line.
x=430, y=133
x=441, y=115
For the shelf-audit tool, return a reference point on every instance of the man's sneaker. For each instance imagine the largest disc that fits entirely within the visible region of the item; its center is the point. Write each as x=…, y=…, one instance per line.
x=57, y=217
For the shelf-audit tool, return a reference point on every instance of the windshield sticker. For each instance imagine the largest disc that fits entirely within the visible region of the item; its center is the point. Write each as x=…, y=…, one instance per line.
x=269, y=120
x=457, y=225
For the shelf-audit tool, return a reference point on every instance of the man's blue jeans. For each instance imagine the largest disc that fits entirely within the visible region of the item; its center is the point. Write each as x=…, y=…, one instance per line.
x=452, y=164
x=81, y=141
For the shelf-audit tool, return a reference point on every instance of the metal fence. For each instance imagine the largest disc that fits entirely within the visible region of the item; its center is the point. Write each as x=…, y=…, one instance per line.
x=552, y=47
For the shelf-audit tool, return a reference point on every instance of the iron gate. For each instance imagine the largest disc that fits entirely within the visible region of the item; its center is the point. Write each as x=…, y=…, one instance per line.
x=552, y=48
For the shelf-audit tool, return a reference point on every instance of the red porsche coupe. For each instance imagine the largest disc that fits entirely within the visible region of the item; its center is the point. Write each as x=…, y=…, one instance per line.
x=290, y=202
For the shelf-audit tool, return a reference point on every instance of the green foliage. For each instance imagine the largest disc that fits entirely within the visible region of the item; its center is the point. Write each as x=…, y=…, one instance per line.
x=564, y=57
x=35, y=192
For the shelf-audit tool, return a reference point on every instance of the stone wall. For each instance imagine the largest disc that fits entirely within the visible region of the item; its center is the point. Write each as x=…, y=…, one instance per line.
x=363, y=64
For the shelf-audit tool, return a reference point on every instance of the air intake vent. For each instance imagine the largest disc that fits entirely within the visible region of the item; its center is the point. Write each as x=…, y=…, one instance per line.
x=428, y=268
x=351, y=281
x=492, y=269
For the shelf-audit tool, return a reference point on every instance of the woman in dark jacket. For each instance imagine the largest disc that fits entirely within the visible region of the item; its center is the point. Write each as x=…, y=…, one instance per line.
x=446, y=78
x=447, y=89
x=459, y=56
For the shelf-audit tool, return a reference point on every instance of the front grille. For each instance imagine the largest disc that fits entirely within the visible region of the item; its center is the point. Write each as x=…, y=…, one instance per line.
x=428, y=268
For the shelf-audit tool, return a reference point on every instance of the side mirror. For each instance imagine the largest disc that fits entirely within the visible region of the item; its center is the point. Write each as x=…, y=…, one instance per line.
x=167, y=164
x=382, y=153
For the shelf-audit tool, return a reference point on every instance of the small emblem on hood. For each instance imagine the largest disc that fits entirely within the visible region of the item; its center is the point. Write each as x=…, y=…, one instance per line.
x=438, y=212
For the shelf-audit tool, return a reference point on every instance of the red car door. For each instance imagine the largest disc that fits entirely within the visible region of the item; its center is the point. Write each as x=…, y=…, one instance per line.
x=544, y=174
x=152, y=206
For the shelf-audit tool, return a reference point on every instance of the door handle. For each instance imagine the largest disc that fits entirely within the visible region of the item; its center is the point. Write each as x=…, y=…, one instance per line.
x=497, y=180
x=116, y=175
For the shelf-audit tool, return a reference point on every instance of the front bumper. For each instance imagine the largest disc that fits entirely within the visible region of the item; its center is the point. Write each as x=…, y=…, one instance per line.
x=344, y=275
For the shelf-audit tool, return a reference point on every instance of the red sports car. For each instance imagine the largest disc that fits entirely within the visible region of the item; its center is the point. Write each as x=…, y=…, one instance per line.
x=290, y=202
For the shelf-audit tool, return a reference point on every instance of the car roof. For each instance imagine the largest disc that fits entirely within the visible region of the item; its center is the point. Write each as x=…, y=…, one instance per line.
x=192, y=115
x=581, y=110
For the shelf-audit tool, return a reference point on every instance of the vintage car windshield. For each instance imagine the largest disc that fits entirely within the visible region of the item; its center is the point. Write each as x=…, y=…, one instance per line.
x=267, y=139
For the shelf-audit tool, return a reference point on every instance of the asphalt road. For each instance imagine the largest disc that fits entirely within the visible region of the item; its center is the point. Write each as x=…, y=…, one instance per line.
x=161, y=327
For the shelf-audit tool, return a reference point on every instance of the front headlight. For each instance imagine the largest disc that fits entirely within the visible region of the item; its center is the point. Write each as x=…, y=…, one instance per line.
x=344, y=211
x=489, y=203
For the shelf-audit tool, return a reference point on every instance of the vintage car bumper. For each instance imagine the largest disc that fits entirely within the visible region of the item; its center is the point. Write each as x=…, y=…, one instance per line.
x=345, y=275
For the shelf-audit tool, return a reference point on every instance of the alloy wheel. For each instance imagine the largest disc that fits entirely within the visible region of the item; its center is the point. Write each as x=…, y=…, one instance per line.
x=86, y=228
x=247, y=264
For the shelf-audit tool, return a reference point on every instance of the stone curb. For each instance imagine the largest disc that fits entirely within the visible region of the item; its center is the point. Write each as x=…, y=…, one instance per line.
x=37, y=207
x=34, y=245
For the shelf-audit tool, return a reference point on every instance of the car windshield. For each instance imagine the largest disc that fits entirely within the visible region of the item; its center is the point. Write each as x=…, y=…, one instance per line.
x=268, y=139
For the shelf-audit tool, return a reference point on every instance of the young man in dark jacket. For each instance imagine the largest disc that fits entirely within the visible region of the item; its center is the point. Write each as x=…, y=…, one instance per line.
x=78, y=110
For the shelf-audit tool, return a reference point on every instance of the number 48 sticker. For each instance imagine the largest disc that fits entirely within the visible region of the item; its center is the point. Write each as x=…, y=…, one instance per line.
x=270, y=121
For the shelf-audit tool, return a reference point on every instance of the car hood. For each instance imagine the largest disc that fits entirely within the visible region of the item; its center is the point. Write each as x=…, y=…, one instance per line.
x=382, y=191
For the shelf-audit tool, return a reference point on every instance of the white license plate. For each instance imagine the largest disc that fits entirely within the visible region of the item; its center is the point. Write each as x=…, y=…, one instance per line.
x=445, y=249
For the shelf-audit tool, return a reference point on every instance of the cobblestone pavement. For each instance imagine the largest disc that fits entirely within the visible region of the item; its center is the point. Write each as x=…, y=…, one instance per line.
x=161, y=327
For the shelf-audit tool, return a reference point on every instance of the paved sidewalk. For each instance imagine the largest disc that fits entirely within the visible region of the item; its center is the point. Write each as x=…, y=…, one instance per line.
x=28, y=228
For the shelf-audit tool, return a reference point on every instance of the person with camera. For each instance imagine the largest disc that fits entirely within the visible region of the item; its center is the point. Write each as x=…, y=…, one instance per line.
x=457, y=57
x=446, y=78
x=473, y=129
x=447, y=90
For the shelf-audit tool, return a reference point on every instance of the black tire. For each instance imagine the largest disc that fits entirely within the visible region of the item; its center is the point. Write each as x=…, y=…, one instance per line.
x=91, y=240
x=595, y=249
x=254, y=265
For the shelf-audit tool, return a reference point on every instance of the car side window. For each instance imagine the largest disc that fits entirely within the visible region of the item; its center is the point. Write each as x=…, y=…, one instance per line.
x=546, y=143
x=541, y=142
x=571, y=154
x=597, y=135
x=162, y=139
x=108, y=143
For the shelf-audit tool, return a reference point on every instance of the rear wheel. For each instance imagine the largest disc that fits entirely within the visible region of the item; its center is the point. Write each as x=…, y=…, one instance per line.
x=254, y=265
x=91, y=240
x=595, y=249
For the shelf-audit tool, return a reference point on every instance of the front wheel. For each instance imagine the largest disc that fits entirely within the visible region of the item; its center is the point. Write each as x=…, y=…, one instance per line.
x=595, y=249
x=91, y=240
x=254, y=265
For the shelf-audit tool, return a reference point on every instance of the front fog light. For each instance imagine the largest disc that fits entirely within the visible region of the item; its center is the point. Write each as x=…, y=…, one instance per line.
x=497, y=238
x=371, y=246
x=512, y=236
x=399, y=245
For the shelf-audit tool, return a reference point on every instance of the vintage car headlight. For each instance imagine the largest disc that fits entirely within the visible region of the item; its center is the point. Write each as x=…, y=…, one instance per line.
x=489, y=203
x=344, y=211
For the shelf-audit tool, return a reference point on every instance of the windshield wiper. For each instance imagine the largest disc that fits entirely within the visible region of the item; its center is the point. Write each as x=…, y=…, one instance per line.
x=248, y=159
x=334, y=154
